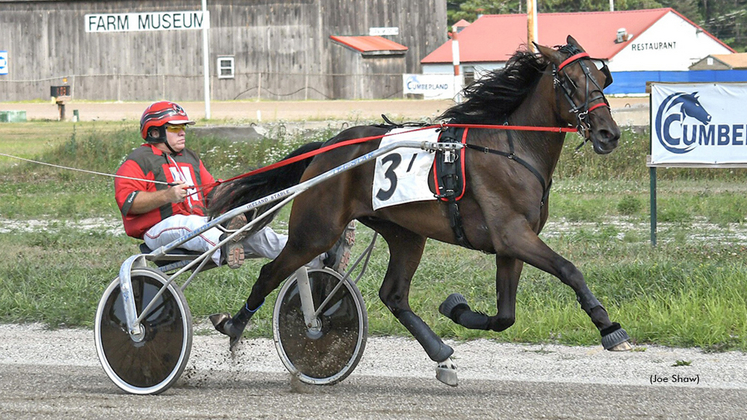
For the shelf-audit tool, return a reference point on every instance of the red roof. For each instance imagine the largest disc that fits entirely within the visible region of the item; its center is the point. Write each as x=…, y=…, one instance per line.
x=495, y=38
x=369, y=43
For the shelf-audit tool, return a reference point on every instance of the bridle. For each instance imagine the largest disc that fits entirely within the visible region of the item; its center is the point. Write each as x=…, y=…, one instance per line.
x=568, y=87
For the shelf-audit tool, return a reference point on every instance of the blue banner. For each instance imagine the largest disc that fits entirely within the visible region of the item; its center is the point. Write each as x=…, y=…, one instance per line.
x=698, y=123
x=630, y=82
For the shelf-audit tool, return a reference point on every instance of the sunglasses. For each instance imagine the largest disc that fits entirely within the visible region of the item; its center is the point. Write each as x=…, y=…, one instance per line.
x=176, y=128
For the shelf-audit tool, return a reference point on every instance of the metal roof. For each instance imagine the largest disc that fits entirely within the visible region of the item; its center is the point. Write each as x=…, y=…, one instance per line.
x=735, y=61
x=369, y=44
x=495, y=38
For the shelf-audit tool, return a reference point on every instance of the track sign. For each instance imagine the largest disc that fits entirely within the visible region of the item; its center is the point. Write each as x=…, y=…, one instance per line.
x=3, y=62
x=698, y=123
x=383, y=31
x=157, y=21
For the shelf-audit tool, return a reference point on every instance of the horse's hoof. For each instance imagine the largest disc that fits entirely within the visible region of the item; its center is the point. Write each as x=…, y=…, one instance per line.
x=624, y=346
x=219, y=320
x=446, y=373
x=224, y=324
x=617, y=340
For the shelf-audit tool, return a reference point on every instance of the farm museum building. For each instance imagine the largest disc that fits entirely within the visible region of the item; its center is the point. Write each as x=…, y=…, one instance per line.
x=143, y=50
x=655, y=45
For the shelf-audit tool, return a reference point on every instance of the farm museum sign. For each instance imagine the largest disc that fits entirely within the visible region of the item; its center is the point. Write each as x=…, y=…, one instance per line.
x=698, y=123
x=160, y=21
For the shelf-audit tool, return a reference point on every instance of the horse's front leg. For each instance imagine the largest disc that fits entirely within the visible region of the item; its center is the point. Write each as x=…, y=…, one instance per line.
x=508, y=272
x=528, y=247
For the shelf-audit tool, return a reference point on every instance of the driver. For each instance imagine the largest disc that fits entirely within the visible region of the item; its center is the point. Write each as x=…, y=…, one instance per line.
x=159, y=202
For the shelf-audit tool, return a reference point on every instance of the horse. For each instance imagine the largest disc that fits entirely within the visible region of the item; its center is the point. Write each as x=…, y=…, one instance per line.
x=503, y=209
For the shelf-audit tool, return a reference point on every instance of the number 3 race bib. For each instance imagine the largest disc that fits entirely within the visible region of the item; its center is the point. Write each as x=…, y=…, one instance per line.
x=402, y=175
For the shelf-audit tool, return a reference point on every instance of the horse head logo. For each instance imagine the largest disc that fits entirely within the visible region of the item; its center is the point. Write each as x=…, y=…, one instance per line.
x=670, y=119
x=691, y=107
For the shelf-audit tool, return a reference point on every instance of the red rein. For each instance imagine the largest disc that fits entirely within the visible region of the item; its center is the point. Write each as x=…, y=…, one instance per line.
x=307, y=155
x=365, y=139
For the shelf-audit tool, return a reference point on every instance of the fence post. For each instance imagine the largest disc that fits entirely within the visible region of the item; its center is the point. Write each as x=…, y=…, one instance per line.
x=652, y=187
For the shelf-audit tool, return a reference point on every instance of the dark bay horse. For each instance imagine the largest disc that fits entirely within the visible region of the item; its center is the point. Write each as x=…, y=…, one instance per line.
x=503, y=208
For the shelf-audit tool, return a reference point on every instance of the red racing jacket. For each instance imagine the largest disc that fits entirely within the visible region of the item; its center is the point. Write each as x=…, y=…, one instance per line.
x=148, y=163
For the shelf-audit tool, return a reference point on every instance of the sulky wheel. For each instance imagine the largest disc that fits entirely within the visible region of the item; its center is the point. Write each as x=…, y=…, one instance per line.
x=329, y=352
x=151, y=363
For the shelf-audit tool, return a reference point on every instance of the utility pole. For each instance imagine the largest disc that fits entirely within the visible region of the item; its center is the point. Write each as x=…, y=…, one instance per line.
x=457, y=72
x=206, y=57
x=532, y=24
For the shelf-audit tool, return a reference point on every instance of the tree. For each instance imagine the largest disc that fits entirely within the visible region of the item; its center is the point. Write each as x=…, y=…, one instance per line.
x=470, y=10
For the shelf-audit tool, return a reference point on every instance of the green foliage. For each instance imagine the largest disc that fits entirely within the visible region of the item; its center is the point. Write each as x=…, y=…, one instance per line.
x=629, y=205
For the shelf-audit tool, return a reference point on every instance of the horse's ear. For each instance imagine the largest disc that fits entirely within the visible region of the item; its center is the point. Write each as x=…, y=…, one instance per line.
x=572, y=41
x=549, y=53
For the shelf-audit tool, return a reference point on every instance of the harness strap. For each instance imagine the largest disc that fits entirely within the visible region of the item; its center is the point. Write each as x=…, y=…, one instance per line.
x=572, y=58
x=511, y=156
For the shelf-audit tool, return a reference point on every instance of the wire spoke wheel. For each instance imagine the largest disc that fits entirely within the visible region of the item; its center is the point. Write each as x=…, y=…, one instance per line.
x=328, y=353
x=149, y=364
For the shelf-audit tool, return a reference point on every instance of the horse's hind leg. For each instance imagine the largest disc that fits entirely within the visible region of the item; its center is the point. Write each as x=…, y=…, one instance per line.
x=406, y=249
x=306, y=241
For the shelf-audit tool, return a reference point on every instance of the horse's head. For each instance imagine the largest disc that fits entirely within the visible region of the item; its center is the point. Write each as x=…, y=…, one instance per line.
x=581, y=83
x=692, y=108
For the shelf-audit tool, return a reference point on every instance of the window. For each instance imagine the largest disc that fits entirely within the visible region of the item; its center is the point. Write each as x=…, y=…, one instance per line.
x=469, y=75
x=225, y=67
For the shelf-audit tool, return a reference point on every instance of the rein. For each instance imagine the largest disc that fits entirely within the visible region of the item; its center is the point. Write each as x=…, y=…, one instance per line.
x=350, y=142
x=581, y=111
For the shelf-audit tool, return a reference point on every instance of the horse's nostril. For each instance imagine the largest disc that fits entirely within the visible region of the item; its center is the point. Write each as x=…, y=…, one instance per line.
x=608, y=135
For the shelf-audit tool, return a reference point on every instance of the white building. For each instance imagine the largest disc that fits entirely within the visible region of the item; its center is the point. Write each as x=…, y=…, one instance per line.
x=633, y=43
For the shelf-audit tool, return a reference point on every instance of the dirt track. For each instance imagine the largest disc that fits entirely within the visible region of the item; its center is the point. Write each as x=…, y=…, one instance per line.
x=56, y=375
x=627, y=111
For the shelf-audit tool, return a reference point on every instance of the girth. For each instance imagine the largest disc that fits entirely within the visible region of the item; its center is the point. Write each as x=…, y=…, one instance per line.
x=450, y=180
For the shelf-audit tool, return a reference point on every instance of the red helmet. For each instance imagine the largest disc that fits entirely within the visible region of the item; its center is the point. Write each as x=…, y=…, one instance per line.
x=159, y=114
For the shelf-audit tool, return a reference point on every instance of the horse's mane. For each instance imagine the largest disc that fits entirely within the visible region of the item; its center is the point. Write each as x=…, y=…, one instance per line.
x=495, y=96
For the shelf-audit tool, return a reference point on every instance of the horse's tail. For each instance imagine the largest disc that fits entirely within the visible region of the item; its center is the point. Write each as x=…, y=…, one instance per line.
x=245, y=190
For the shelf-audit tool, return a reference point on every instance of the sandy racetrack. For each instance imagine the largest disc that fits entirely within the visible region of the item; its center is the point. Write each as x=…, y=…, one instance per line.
x=627, y=111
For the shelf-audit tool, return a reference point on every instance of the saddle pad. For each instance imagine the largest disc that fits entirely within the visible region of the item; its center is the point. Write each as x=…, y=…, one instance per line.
x=402, y=175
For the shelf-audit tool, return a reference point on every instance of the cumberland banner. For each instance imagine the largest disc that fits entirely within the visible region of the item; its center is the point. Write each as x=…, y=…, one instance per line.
x=698, y=123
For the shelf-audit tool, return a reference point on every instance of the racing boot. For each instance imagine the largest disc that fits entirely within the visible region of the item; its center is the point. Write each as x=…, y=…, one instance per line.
x=338, y=256
x=232, y=252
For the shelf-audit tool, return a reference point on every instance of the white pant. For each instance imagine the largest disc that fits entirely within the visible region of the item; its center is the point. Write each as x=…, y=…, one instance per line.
x=264, y=243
